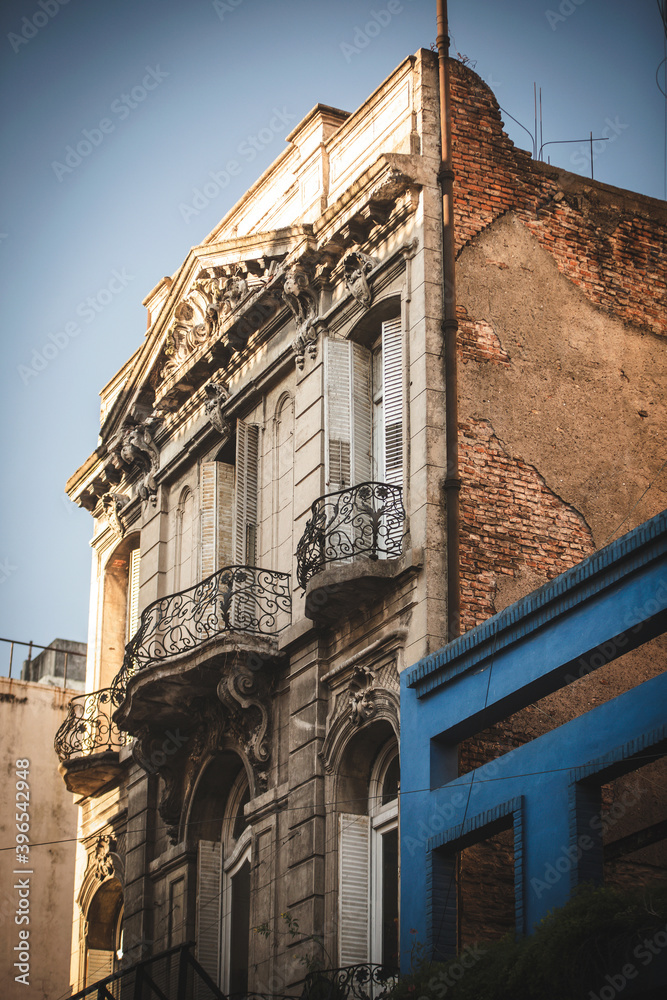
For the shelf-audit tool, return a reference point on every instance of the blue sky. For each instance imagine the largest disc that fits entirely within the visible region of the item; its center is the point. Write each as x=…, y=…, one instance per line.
x=156, y=94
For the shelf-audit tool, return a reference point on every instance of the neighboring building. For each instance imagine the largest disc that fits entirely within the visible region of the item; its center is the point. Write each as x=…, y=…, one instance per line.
x=580, y=802
x=62, y=662
x=38, y=824
x=269, y=538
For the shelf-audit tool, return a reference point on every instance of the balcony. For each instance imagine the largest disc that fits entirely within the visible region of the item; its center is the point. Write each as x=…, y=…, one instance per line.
x=352, y=548
x=88, y=743
x=186, y=640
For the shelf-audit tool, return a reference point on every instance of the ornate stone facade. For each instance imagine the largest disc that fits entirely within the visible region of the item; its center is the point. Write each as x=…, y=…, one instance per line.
x=291, y=382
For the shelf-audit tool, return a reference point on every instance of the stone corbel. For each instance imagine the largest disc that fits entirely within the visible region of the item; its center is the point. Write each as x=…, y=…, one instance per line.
x=114, y=504
x=361, y=691
x=153, y=752
x=306, y=343
x=246, y=697
x=100, y=860
x=218, y=394
x=357, y=265
x=302, y=301
x=135, y=448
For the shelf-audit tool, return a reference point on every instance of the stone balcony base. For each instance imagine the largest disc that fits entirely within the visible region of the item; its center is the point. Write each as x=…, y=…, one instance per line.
x=88, y=775
x=166, y=693
x=339, y=588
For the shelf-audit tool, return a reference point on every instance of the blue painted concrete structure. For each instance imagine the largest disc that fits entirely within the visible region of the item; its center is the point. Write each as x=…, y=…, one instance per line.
x=548, y=790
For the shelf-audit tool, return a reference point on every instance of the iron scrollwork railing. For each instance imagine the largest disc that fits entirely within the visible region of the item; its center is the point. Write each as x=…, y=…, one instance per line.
x=89, y=727
x=365, y=520
x=354, y=982
x=235, y=599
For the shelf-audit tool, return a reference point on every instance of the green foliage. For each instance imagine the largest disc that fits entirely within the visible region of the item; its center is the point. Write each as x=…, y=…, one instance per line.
x=566, y=958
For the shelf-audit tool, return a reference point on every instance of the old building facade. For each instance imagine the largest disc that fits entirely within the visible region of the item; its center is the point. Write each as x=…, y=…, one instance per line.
x=270, y=546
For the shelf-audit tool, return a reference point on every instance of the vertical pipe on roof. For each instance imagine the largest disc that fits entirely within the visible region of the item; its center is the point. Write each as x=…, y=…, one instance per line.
x=449, y=330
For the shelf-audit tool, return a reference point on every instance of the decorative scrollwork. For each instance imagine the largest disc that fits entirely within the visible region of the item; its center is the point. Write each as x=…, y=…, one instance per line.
x=365, y=520
x=354, y=982
x=218, y=394
x=357, y=265
x=197, y=318
x=235, y=599
x=89, y=727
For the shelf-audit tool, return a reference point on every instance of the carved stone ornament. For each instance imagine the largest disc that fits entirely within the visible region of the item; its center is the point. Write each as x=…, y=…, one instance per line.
x=241, y=715
x=198, y=316
x=357, y=265
x=303, y=304
x=134, y=448
x=101, y=861
x=218, y=394
x=246, y=696
x=362, y=693
x=114, y=504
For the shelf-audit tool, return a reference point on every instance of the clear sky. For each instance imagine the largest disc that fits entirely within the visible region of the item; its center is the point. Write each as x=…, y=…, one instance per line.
x=156, y=94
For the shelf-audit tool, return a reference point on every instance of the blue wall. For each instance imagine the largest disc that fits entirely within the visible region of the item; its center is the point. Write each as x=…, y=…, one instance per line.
x=547, y=791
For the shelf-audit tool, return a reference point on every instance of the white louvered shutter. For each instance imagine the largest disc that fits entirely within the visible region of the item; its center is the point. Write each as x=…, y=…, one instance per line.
x=361, y=413
x=99, y=965
x=133, y=593
x=392, y=376
x=246, y=499
x=348, y=414
x=353, y=889
x=209, y=890
x=337, y=414
x=217, y=501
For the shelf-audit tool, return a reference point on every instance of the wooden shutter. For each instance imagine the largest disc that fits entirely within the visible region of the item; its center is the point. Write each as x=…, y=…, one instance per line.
x=347, y=414
x=392, y=376
x=99, y=965
x=209, y=889
x=217, y=500
x=247, y=488
x=133, y=593
x=353, y=889
x=361, y=413
x=337, y=414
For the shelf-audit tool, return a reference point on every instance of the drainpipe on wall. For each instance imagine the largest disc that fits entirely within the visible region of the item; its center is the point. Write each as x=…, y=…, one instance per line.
x=449, y=330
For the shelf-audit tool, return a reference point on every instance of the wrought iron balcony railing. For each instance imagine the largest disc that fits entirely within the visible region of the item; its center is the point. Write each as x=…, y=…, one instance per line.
x=365, y=520
x=235, y=599
x=89, y=727
x=354, y=982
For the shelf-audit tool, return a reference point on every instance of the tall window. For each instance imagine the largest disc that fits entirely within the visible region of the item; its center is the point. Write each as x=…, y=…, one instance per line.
x=120, y=607
x=246, y=497
x=369, y=870
x=364, y=410
x=185, y=556
x=223, y=875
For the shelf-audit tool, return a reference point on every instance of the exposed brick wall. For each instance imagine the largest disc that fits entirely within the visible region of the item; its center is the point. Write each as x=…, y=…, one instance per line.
x=609, y=243
x=510, y=520
x=479, y=341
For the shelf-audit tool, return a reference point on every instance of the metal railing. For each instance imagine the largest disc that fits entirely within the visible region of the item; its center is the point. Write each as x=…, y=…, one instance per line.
x=365, y=520
x=235, y=599
x=35, y=645
x=89, y=727
x=177, y=975
x=354, y=982
x=172, y=975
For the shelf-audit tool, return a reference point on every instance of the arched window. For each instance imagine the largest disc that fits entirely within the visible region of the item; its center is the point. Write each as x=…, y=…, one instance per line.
x=120, y=606
x=185, y=564
x=283, y=479
x=103, y=932
x=217, y=820
x=385, y=863
x=368, y=887
x=364, y=408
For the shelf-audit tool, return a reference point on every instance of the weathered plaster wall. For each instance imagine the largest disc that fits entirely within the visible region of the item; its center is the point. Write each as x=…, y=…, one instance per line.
x=30, y=715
